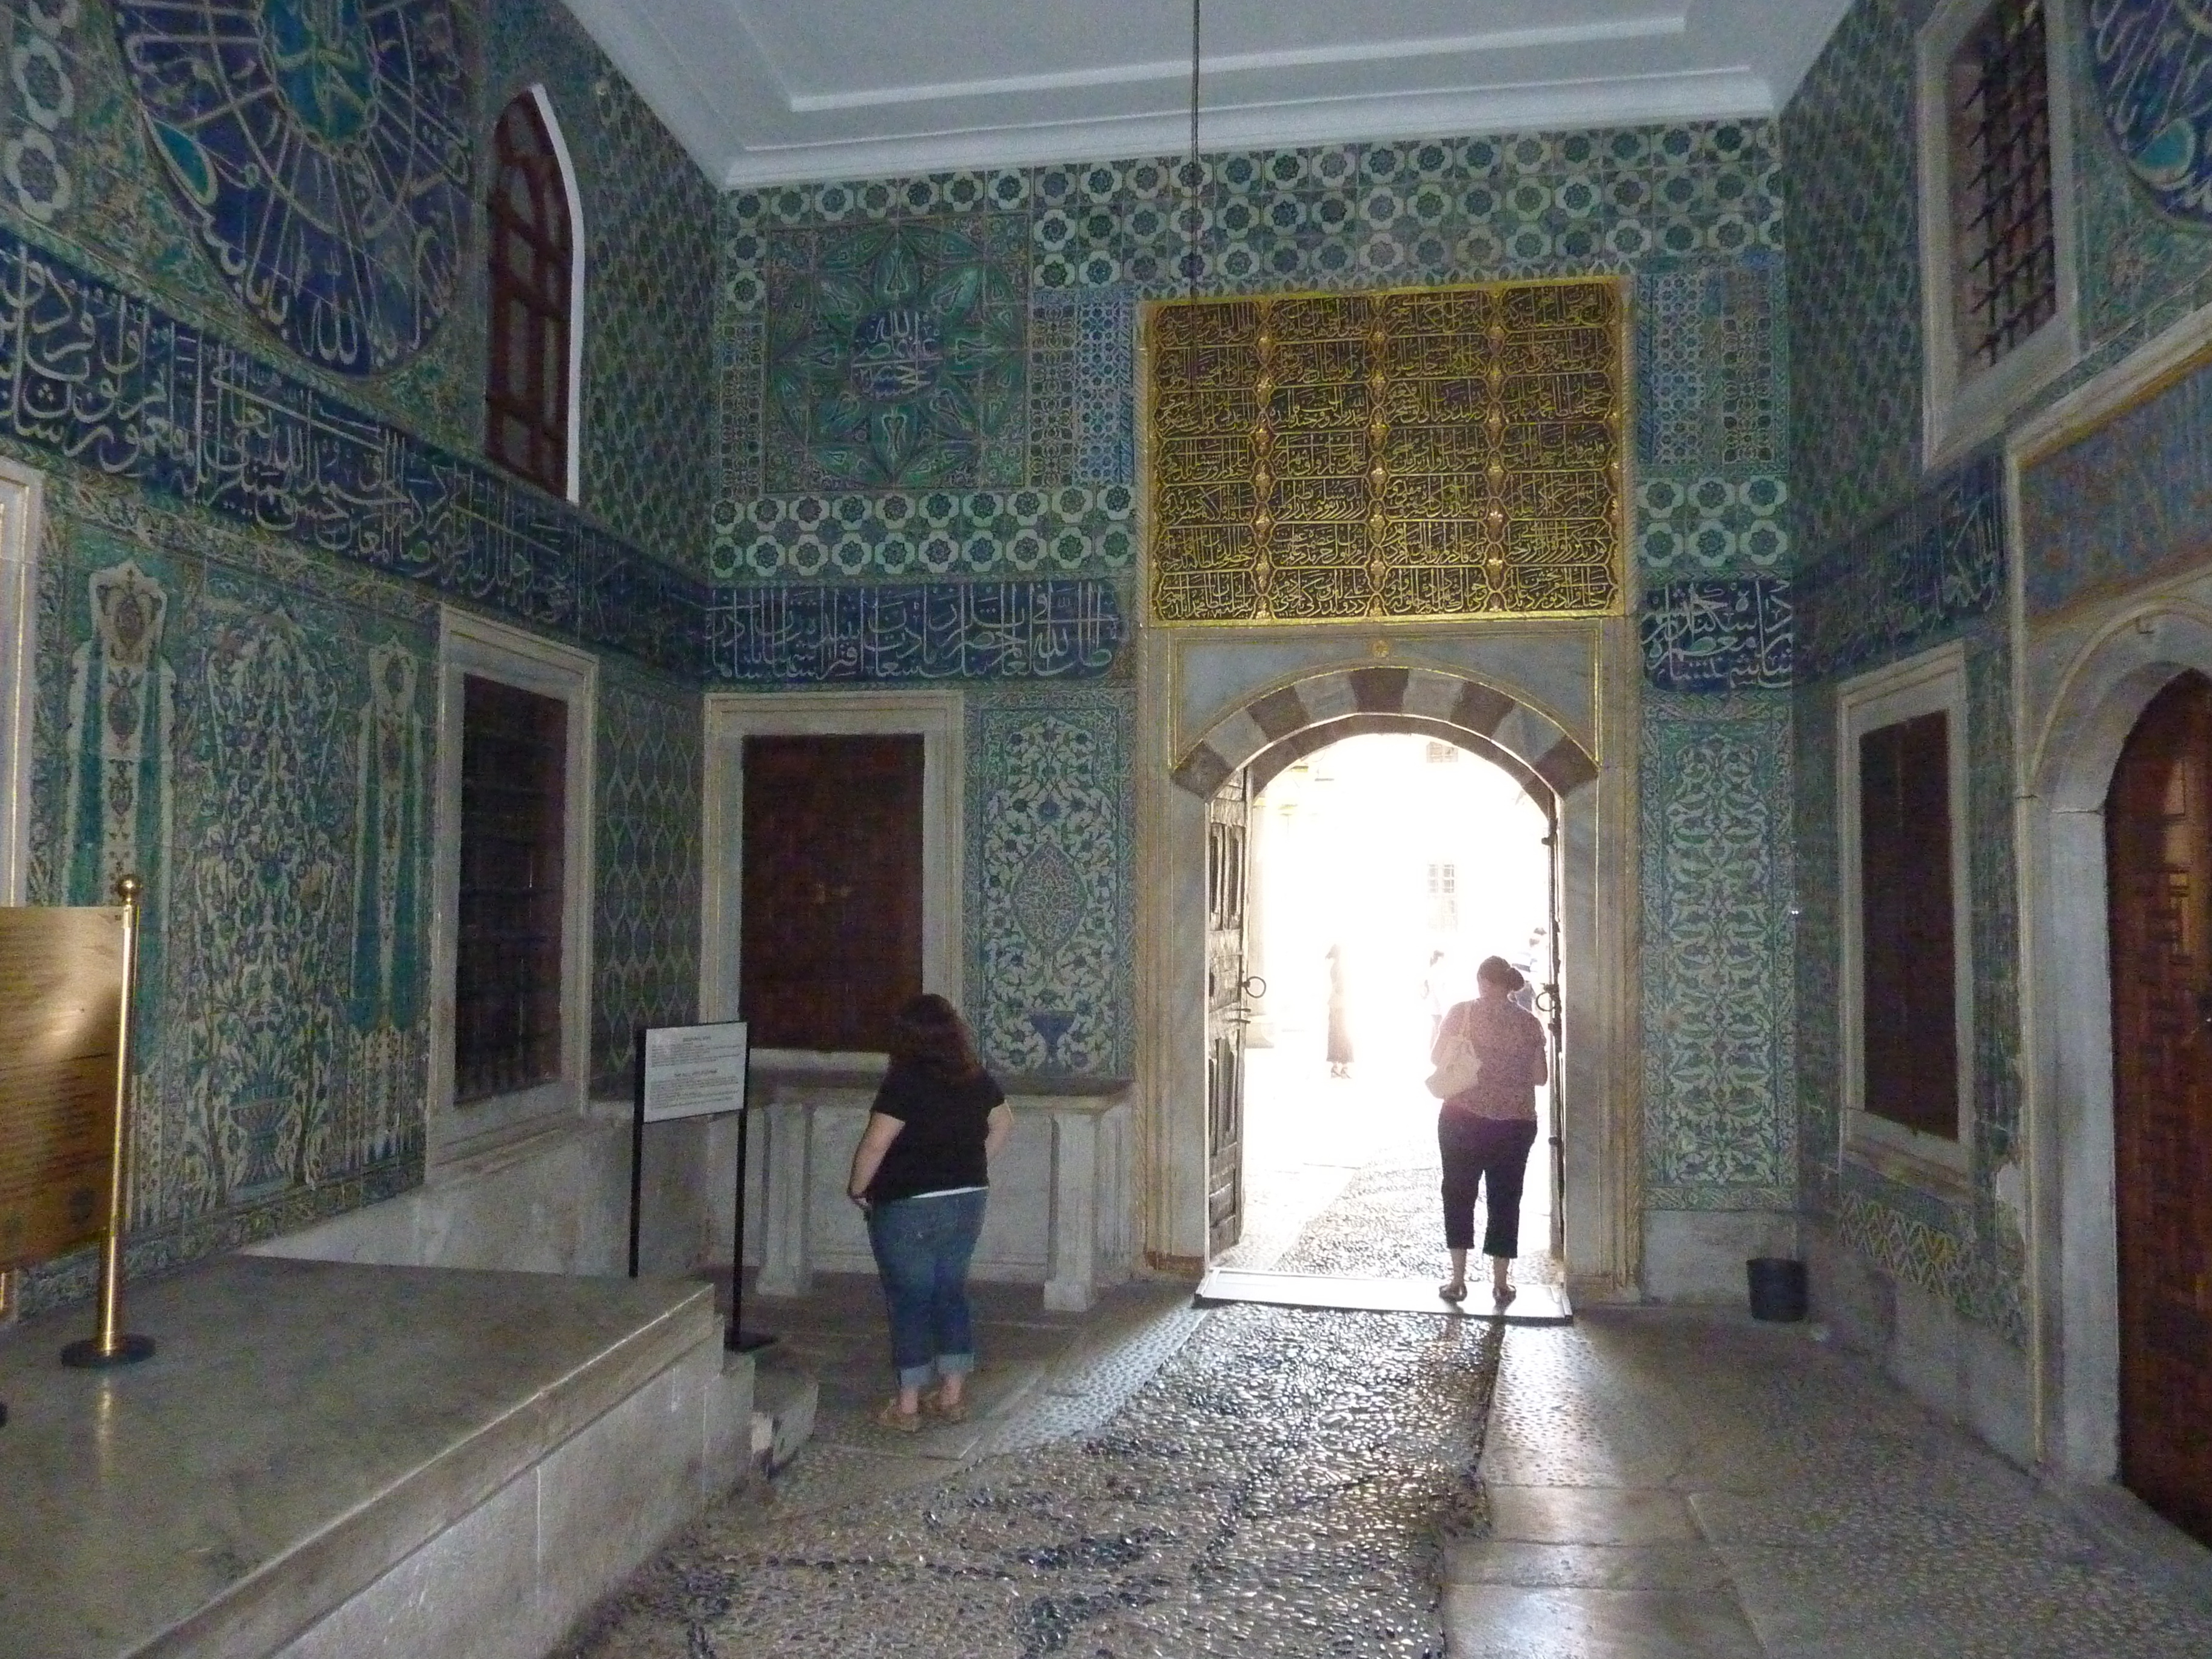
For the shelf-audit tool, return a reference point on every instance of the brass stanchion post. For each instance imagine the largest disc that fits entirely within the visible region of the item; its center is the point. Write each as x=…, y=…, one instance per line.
x=113, y=1346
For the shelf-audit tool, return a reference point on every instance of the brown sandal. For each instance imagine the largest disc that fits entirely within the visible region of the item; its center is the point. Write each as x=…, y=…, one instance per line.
x=893, y=1418
x=936, y=1406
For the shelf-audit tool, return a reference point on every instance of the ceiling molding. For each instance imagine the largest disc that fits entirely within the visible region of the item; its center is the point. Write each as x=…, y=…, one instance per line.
x=1216, y=69
x=759, y=92
x=1697, y=95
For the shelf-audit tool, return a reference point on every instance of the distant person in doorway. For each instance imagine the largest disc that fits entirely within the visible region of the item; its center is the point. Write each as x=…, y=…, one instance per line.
x=1339, y=1014
x=922, y=1173
x=1432, y=993
x=1485, y=1133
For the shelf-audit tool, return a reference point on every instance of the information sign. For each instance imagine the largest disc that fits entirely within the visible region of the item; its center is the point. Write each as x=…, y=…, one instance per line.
x=695, y=1071
x=61, y=989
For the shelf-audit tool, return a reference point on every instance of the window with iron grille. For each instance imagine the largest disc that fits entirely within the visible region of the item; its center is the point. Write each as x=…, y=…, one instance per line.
x=2005, y=239
x=506, y=969
x=1443, y=897
x=533, y=241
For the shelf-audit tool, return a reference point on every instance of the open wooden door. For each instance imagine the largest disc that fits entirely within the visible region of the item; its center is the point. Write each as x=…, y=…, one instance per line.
x=1227, y=836
x=1551, y=1009
x=2158, y=827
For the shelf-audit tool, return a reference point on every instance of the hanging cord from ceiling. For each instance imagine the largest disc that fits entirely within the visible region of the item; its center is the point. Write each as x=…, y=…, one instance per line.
x=1194, y=220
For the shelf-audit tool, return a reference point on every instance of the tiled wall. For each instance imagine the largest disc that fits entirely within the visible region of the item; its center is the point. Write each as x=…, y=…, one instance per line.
x=1893, y=561
x=863, y=459
x=246, y=546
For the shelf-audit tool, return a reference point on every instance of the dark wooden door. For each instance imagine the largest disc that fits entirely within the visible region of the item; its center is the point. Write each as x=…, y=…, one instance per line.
x=832, y=934
x=2159, y=846
x=1227, y=833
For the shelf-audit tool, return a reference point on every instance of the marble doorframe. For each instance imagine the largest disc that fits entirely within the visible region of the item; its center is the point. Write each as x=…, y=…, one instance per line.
x=21, y=526
x=1560, y=698
x=2082, y=675
x=938, y=717
x=2089, y=685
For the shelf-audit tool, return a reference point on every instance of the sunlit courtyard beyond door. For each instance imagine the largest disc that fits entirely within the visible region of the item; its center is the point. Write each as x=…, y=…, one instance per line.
x=1383, y=869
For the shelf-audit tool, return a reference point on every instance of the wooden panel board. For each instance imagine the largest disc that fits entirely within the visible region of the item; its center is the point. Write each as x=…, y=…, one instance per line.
x=833, y=900
x=61, y=977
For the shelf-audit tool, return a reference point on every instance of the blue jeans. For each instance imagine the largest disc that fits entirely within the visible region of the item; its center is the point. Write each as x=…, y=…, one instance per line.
x=922, y=1245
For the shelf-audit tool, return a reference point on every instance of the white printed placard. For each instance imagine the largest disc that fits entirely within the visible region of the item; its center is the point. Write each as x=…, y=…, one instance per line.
x=695, y=1071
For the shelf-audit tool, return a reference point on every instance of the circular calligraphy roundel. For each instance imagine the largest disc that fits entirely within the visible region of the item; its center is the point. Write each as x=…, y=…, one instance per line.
x=321, y=149
x=2153, y=63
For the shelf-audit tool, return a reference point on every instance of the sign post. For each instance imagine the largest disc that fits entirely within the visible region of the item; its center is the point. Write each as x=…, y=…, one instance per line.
x=696, y=1071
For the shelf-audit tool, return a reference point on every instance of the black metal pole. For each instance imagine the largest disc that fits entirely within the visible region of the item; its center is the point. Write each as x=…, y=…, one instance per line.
x=637, y=1150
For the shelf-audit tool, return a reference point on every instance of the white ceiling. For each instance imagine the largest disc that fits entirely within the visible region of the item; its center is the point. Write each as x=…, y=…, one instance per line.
x=781, y=91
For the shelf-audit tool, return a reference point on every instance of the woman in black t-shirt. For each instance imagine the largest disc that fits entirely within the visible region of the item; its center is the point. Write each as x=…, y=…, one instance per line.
x=921, y=1173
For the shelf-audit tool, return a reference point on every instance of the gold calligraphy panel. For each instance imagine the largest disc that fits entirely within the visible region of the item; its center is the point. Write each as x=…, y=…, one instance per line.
x=1425, y=452
x=61, y=991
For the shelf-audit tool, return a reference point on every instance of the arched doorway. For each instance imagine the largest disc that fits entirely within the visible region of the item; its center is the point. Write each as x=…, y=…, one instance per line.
x=1276, y=726
x=2089, y=686
x=2158, y=831
x=1381, y=868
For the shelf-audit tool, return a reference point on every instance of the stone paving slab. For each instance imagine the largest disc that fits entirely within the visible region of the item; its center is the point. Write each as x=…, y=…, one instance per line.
x=1664, y=1482
x=1535, y=1304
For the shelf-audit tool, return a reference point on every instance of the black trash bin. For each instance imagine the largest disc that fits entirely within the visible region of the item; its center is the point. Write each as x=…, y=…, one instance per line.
x=1778, y=1287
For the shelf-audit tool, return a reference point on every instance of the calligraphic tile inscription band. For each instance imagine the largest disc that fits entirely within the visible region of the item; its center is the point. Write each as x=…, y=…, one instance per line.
x=1731, y=634
x=106, y=380
x=805, y=633
x=1442, y=451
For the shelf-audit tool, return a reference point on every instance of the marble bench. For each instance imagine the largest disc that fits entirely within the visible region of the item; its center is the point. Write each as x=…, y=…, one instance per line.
x=1059, y=1214
x=327, y=1460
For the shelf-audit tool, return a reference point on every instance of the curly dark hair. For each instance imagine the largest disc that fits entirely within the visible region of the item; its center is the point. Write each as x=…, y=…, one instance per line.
x=928, y=1030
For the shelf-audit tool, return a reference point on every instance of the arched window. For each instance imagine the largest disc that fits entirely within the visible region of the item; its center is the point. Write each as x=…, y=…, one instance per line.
x=529, y=382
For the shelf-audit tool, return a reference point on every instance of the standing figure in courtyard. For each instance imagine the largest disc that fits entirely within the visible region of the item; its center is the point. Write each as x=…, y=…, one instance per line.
x=922, y=1173
x=1486, y=1130
x=1340, y=1013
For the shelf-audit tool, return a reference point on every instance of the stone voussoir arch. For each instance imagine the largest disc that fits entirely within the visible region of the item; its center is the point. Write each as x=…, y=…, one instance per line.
x=1278, y=726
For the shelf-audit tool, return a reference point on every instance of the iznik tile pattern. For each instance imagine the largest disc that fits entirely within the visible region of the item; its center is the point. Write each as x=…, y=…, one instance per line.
x=651, y=759
x=1854, y=303
x=1049, y=849
x=1909, y=580
x=1719, y=1013
x=1733, y=636
x=82, y=168
x=1699, y=206
x=896, y=354
x=1074, y=530
x=260, y=147
x=256, y=744
x=2125, y=503
x=2147, y=60
x=2140, y=268
x=1707, y=525
x=1710, y=339
x=649, y=388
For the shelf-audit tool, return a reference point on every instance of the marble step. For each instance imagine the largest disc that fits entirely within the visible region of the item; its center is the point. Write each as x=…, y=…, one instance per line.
x=785, y=1401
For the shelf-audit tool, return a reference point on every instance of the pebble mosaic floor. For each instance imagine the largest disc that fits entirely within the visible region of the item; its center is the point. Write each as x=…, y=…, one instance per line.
x=1283, y=1486
x=1157, y=1482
